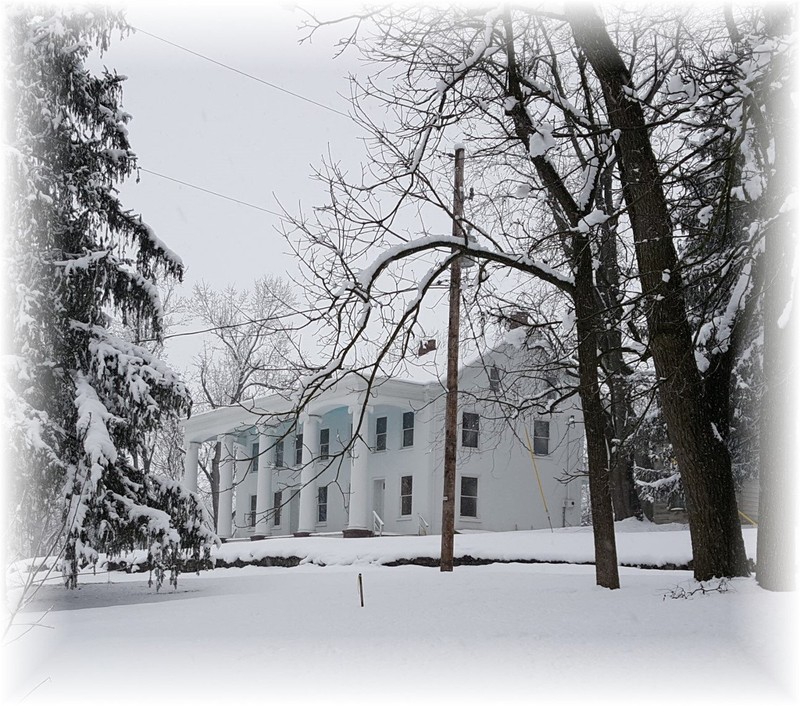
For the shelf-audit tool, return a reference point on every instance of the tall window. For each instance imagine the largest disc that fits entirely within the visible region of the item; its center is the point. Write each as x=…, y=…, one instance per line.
x=494, y=379
x=324, y=443
x=279, y=454
x=276, y=508
x=406, y=485
x=322, y=504
x=470, y=425
x=254, y=460
x=469, y=496
x=408, y=429
x=251, y=518
x=541, y=438
x=298, y=449
x=380, y=434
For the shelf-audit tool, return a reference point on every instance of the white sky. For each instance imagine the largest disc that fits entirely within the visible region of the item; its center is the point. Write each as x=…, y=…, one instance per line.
x=209, y=126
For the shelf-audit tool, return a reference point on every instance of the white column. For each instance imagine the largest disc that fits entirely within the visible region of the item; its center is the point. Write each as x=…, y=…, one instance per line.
x=359, y=475
x=227, y=469
x=266, y=449
x=308, y=488
x=190, y=466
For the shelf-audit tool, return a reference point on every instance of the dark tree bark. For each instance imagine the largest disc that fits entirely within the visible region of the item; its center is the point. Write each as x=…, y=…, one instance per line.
x=703, y=458
x=586, y=318
x=587, y=314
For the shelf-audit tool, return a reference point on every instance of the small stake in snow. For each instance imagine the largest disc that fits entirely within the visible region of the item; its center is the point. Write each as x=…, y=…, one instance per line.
x=361, y=590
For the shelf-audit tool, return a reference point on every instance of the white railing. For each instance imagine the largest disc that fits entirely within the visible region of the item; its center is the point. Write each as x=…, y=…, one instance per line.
x=423, y=525
x=377, y=524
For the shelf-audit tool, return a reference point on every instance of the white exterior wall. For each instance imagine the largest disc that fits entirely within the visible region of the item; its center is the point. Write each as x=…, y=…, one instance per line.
x=245, y=483
x=508, y=493
x=395, y=462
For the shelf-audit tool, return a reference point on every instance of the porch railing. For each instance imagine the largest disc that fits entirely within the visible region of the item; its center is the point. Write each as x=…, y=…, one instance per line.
x=423, y=525
x=377, y=524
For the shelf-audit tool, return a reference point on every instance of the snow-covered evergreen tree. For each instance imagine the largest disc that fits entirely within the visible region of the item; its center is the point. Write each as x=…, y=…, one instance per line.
x=83, y=399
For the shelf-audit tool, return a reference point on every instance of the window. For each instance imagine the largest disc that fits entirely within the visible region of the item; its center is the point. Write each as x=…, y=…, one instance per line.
x=298, y=449
x=494, y=379
x=254, y=460
x=541, y=438
x=279, y=454
x=251, y=517
x=276, y=508
x=322, y=504
x=406, y=484
x=469, y=496
x=408, y=429
x=551, y=386
x=380, y=434
x=324, y=443
x=470, y=424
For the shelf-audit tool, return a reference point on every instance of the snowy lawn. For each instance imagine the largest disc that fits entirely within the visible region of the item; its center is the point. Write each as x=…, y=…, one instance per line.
x=502, y=633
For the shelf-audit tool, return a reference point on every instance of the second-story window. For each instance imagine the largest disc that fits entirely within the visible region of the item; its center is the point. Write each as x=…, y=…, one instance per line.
x=408, y=429
x=324, y=443
x=380, y=434
x=494, y=378
x=298, y=450
x=279, y=454
x=541, y=437
x=254, y=459
x=470, y=426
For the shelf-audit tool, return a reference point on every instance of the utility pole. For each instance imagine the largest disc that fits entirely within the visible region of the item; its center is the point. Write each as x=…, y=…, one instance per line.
x=451, y=400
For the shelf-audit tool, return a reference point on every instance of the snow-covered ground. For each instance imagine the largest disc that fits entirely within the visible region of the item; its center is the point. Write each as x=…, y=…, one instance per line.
x=502, y=633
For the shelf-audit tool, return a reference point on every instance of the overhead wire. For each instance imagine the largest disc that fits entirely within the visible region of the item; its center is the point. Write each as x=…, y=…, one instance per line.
x=243, y=73
x=274, y=86
x=216, y=193
x=209, y=191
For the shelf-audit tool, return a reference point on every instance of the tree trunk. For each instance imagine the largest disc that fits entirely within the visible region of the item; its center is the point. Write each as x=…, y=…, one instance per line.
x=704, y=461
x=605, y=548
x=587, y=323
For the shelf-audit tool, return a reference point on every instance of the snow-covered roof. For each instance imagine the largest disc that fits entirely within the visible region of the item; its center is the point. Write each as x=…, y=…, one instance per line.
x=411, y=377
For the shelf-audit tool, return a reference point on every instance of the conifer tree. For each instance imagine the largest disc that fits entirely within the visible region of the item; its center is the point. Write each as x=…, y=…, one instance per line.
x=81, y=266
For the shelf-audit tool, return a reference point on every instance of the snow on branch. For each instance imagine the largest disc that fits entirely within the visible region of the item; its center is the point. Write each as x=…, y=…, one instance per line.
x=368, y=275
x=92, y=428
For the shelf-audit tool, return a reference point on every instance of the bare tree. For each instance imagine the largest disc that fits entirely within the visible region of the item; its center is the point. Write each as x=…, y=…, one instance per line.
x=249, y=352
x=563, y=228
x=587, y=153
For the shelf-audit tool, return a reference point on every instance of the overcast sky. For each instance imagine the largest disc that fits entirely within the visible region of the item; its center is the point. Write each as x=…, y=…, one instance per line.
x=200, y=123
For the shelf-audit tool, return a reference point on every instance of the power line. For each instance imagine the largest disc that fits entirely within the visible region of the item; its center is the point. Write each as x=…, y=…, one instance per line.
x=243, y=73
x=221, y=327
x=209, y=191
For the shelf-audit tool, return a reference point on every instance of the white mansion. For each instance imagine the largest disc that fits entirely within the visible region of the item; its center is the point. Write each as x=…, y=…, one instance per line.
x=363, y=461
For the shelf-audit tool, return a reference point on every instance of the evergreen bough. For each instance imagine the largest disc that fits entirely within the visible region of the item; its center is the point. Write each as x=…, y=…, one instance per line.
x=81, y=271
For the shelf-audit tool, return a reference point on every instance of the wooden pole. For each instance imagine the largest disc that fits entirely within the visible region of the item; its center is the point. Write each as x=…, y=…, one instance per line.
x=451, y=400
